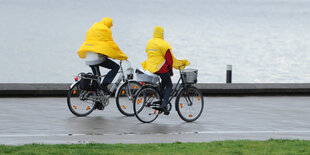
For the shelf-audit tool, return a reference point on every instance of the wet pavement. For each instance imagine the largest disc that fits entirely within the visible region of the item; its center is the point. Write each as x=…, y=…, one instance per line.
x=49, y=121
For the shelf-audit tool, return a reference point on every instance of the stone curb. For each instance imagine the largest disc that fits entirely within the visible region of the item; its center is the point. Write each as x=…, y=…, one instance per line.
x=208, y=89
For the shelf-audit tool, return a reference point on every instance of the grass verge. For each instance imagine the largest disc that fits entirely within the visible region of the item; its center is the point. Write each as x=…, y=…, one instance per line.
x=238, y=147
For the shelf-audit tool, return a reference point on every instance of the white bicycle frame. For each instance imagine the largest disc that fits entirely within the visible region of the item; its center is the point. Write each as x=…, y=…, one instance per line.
x=115, y=85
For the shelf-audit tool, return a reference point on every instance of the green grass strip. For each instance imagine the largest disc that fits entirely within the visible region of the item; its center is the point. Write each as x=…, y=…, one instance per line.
x=238, y=147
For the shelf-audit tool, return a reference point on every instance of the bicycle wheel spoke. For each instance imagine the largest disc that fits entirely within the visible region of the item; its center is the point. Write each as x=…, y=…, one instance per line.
x=125, y=97
x=190, y=104
x=145, y=112
x=79, y=102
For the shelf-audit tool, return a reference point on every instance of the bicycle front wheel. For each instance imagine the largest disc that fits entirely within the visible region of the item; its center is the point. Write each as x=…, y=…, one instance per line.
x=126, y=93
x=189, y=103
x=78, y=101
x=146, y=104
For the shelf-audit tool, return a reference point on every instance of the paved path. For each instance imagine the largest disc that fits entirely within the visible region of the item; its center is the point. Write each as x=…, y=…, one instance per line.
x=48, y=120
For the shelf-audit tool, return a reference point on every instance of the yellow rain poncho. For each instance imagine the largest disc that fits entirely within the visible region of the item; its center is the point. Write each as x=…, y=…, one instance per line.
x=156, y=50
x=99, y=40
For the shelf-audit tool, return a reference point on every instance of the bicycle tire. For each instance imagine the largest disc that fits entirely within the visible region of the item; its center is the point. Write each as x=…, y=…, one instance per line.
x=76, y=105
x=145, y=112
x=189, y=103
x=126, y=108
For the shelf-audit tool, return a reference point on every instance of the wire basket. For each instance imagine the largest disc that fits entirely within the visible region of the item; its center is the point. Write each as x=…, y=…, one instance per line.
x=189, y=75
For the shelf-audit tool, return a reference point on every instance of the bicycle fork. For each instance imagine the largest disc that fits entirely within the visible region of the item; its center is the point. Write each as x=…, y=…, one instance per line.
x=187, y=98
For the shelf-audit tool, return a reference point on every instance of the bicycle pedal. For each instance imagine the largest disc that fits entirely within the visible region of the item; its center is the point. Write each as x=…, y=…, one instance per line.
x=166, y=113
x=157, y=103
x=158, y=108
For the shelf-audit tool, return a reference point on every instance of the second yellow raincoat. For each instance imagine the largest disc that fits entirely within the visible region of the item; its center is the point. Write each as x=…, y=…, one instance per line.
x=99, y=40
x=156, y=50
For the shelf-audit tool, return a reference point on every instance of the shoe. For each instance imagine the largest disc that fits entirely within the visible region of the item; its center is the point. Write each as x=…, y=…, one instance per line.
x=165, y=110
x=104, y=87
x=157, y=105
x=99, y=106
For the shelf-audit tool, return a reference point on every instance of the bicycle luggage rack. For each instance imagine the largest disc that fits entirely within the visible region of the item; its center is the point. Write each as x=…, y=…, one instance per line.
x=146, y=76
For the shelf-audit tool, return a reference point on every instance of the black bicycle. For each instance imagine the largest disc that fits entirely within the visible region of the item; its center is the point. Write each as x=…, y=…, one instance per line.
x=84, y=95
x=189, y=101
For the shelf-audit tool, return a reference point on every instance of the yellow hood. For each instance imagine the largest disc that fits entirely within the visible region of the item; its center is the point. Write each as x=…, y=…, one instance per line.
x=156, y=50
x=99, y=40
x=107, y=21
x=158, y=32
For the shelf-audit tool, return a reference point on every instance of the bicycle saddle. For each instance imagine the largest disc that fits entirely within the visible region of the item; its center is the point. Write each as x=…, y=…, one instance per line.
x=89, y=75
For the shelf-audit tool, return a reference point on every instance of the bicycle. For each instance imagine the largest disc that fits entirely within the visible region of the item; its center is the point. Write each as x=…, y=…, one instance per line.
x=84, y=95
x=189, y=101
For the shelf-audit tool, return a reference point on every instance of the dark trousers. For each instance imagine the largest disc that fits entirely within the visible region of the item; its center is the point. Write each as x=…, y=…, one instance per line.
x=166, y=87
x=106, y=64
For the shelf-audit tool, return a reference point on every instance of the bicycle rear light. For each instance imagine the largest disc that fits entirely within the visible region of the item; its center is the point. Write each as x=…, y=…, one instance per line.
x=76, y=78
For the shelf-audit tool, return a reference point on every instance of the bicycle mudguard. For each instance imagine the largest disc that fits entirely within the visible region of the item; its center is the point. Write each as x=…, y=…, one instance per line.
x=154, y=87
x=148, y=86
x=73, y=84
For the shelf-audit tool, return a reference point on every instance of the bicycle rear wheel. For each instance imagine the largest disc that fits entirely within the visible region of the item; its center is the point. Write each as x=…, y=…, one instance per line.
x=189, y=103
x=146, y=104
x=126, y=93
x=78, y=102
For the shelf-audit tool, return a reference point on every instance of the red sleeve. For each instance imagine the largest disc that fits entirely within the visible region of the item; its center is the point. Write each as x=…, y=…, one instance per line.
x=169, y=59
x=167, y=67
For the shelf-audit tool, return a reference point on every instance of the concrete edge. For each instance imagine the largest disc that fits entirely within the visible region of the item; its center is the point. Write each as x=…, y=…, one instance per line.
x=208, y=89
x=255, y=89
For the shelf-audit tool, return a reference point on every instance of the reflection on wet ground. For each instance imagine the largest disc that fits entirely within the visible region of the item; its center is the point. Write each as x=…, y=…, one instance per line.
x=48, y=120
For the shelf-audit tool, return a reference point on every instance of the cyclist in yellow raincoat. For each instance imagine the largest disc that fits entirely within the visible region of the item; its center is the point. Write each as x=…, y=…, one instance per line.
x=98, y=47
x=160, y=60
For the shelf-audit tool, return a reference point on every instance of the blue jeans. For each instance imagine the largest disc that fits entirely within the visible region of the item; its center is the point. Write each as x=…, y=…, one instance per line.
x=106, y=64
x=166, y=87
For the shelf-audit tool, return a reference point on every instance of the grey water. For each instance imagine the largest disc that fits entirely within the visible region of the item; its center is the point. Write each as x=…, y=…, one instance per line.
x=266, y=41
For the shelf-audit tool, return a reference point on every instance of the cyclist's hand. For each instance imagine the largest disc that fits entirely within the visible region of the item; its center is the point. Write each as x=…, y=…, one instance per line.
x=182, y=67
x=171, y=72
